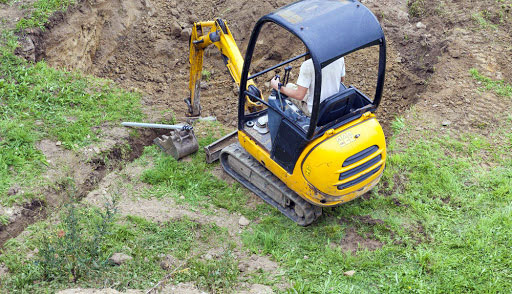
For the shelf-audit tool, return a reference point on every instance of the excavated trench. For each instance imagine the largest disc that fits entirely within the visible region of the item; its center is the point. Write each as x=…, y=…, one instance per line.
x=143, y=45
x=94, y=170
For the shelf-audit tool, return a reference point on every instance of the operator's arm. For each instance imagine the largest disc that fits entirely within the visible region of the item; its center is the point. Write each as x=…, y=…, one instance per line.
x=298, y=93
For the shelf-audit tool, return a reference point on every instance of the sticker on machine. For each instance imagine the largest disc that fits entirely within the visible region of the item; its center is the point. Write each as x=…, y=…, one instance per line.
x=346, y=138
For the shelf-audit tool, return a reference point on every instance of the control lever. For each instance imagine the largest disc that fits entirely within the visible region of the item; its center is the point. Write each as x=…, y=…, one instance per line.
x=287, y=71
x=279, y=85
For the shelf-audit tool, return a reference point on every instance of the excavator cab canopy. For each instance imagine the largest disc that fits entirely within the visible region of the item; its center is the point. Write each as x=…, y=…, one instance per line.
x=329, y=29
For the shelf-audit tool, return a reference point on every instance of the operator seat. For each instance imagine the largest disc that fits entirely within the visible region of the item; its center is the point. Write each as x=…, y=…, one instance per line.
x=337, y=105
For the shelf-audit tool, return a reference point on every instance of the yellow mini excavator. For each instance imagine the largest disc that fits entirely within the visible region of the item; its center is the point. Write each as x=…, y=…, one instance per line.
x=295, y=162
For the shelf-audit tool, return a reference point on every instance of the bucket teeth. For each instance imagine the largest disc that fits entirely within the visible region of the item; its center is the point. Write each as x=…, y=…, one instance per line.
x=164, y=143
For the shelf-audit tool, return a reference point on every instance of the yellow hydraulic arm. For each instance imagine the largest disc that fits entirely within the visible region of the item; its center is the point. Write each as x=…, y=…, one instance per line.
x=203, y=35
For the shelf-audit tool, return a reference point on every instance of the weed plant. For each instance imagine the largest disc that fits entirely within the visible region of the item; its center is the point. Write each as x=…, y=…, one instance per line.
x=75, y=251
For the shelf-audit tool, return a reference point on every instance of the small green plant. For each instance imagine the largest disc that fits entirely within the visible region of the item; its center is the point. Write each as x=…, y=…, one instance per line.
x=206, y=75
x=75, y=250
x=398, y=124
x=482, y=19
x=4, y=220
x=215, y=275
x=500, y=87
x=416, y=7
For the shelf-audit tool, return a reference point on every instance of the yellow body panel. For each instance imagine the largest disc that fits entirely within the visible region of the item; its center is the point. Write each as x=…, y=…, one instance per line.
x=317, y=171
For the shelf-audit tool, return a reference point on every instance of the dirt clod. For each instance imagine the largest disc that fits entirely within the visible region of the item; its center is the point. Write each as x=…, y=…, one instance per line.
x=169, y=262
x=119, y=258
x=14, y=190
x=243, y=221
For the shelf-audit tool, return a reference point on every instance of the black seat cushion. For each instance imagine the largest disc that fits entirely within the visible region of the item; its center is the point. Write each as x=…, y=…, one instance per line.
x=336, y=106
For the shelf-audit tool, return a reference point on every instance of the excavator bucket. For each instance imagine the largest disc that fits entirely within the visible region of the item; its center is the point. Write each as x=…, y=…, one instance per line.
x=178, y=144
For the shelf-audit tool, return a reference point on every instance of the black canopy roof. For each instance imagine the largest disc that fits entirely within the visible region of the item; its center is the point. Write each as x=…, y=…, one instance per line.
x=329, y=28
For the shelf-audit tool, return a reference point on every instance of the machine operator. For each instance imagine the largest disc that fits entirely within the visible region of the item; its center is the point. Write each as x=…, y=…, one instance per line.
x=302, y=94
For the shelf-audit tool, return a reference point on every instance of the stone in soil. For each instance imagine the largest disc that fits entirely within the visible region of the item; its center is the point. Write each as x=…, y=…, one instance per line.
x=119, y=258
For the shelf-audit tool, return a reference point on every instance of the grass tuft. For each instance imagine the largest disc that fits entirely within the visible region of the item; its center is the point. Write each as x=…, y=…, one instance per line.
x=500, y=87
x=41, y=12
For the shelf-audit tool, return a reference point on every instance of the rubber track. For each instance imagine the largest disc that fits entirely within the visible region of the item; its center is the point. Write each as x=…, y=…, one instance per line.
x=297, y=209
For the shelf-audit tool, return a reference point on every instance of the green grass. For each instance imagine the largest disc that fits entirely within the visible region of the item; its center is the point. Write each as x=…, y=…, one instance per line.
x=41, y=10
x=39, y=102
x=195, y=182
x=451, y=234
x=500, y=87
x=75, y=241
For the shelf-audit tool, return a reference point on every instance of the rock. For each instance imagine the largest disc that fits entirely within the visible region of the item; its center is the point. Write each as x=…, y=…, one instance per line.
x=349, y=273
x=169, y=262
x=185, y=34
x=454, y=52
x=192, y=18
x=27, y=49
x=119, y=258
x=175, y=29
x=446, y=123
x=420, y=25
x=203, y=85
x=175, y=12
x=243, y=221
x=208, y=118
x=58, y=143
x=182, y=197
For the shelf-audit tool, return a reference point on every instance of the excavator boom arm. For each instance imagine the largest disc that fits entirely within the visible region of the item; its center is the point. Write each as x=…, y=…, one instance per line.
x=203, y=35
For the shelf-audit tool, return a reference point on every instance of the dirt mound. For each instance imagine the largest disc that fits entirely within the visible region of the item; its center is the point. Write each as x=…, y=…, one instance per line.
x=144, y=45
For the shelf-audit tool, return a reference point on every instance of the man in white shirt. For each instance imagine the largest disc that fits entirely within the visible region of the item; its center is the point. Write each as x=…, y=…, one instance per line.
x=332, y=75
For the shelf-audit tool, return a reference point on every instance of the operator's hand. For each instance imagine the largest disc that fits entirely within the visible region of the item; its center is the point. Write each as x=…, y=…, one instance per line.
x=274, y=83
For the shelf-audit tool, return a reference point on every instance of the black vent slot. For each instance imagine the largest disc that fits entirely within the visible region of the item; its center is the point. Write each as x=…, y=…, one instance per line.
x=360, y=168
x=360, y=155
x=359, y=180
